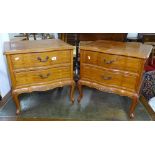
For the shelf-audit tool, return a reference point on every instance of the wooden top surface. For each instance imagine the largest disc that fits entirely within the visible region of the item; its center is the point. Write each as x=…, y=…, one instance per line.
x=13, y=47
x=132, y=49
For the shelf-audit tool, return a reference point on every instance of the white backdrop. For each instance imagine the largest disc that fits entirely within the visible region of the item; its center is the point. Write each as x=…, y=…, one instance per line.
x=4, y=78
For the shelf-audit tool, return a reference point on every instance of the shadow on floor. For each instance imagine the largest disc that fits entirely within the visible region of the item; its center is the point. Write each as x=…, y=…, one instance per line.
x=55, y=105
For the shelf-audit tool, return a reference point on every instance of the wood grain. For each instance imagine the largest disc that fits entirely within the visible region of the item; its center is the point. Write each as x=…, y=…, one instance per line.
x=39, y=66
x=40, y=59
x=129, y=49
x=111, y=61
x=109, y=77
x=114, y=67
x=35, y=46
x=41, y=76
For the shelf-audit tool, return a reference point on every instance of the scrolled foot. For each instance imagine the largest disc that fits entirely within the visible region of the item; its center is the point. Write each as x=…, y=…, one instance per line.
x=72, y=92
x=132, y=107
x=17, y=111
x=131, y=115
x=72, y=100
x=80, y=91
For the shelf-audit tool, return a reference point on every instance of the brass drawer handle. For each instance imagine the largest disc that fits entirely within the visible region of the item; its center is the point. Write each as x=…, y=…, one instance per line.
x=44, y=76
x=106, y=78
x=46, y=59
x=108, y=62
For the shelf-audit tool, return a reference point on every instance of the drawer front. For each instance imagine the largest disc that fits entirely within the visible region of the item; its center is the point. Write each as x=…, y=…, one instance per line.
x=119, y=62
x=40, y=59
x=89, y=57
x=101, y=76
x=110, y=78
x=130, y=82
x=41, y=76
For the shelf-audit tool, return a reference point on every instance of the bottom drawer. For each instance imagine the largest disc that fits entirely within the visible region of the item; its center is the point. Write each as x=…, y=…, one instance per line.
x=109, y=78
x=41, y=76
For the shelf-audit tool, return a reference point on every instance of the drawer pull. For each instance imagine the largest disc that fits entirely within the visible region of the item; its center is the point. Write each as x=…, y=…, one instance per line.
x=106, y=78
x=44, y=76
x=46, y=59
x=54, y=58
x=108, y=62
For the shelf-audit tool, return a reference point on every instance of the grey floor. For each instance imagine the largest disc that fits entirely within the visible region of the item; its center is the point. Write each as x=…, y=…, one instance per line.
x=55, y=104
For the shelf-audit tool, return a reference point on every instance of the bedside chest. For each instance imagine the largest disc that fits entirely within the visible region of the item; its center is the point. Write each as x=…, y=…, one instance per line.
x=39, y=65
x=115, y=67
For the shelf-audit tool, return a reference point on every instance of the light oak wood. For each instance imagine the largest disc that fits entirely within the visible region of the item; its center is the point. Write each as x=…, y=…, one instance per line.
x=129, y=49
x=111, y=61
x=40, y=59
x=39, y=66
x=39, y=76
x=35, y=46
x=119, y=62
x=109, y=77
x=114, y=67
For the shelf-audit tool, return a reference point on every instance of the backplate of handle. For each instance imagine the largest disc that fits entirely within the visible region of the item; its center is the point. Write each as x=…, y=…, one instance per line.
x=44, y=76
x=40, y=59
x=108, y=62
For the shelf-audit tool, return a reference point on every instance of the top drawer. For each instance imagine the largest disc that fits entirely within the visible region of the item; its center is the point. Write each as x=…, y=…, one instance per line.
x=119, y=62
x=112, y=61
x=40, y=59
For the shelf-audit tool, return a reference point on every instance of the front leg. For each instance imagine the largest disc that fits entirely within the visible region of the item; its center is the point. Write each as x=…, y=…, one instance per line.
x=133, y=106
x=17, y=103
x=72, y=92
x=80, y=91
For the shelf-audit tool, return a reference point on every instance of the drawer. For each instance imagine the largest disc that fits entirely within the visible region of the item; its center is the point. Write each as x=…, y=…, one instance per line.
x=109, y=78
x=89, y=57
x=41, y=76
x=40, y=59
x=130, y=82
x=119, y=62
x=101, y=76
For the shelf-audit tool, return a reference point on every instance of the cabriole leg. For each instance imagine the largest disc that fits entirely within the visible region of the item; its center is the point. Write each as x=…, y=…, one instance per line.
x=133, y=106
x=72, y=92
x=16, y=100
x=80, y=91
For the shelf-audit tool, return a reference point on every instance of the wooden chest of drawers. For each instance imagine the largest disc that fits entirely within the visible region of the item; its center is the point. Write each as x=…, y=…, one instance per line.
x=38, y=66
x=114, y=67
